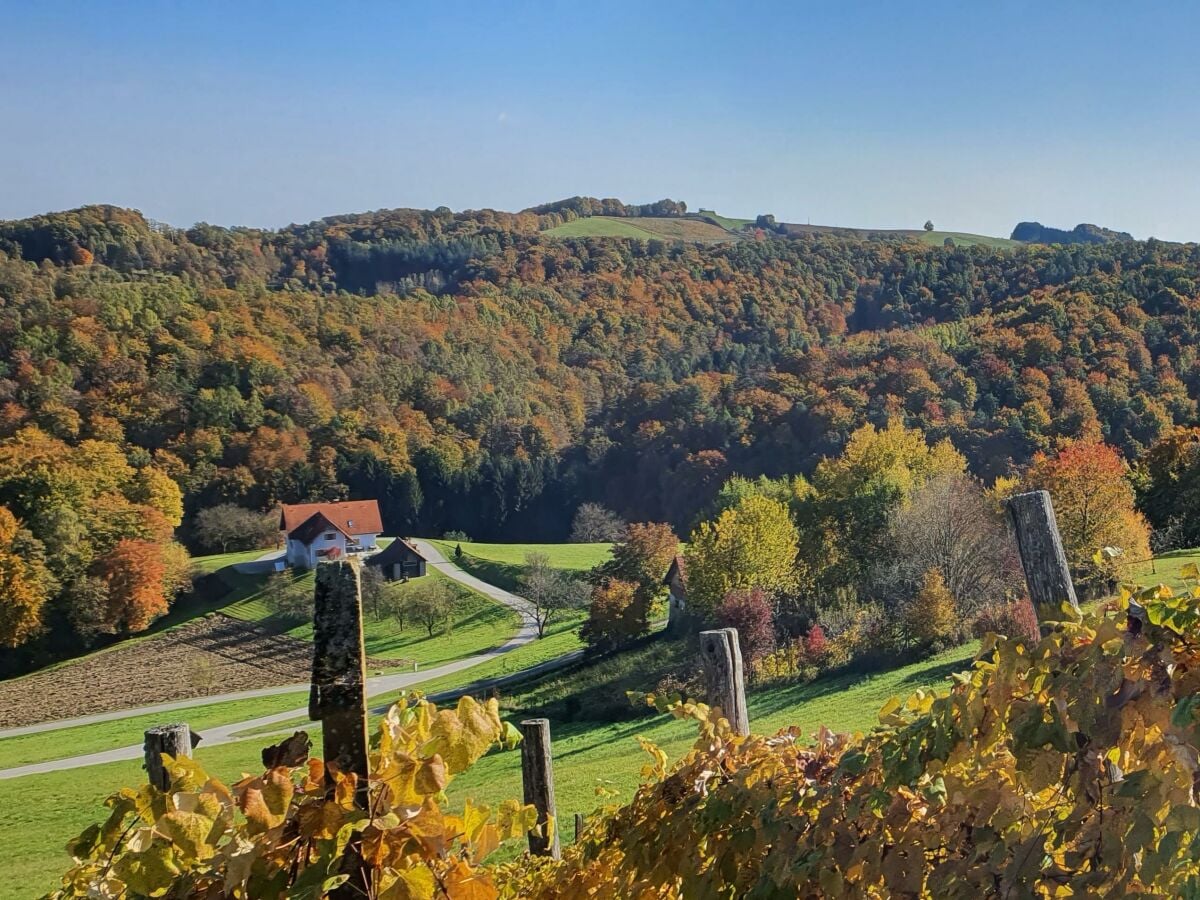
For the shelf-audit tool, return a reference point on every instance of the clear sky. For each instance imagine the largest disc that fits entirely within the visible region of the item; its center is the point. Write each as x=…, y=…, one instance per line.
x=973, y=114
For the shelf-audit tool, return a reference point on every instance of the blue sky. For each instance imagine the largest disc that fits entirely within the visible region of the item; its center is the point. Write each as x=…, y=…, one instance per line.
x=976, y=115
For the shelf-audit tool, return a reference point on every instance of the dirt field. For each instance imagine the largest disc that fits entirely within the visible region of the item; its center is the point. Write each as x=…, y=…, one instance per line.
x=212, y=655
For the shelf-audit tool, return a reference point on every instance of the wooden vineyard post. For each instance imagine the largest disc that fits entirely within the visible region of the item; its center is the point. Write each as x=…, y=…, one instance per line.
x=173, y=740
x=338, y=696
x=537, y=776
x=722, y=659
x=578, y=826
x=1042, y=555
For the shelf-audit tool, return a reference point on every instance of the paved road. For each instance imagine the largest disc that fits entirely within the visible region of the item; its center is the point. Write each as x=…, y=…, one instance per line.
x=380, y=684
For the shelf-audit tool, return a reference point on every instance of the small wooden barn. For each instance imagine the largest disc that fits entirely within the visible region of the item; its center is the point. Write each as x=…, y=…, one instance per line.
x=399, y=561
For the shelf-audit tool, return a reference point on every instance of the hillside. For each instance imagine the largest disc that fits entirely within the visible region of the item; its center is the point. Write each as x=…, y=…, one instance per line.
x=475, y=374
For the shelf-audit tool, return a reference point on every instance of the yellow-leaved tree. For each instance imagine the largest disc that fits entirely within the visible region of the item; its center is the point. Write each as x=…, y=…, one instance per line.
x=844, y=519
x=752, y=544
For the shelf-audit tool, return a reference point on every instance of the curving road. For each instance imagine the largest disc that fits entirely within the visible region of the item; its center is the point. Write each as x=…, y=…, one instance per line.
x=380, y=684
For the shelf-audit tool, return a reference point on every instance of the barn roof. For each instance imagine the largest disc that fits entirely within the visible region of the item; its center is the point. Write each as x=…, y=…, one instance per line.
x=348, y=516
x=678, y=564
x=398, y=550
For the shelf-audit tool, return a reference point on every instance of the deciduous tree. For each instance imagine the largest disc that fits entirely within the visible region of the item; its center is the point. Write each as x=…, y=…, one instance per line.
x=594, y=523
x=23, y=587
x=750, y=545
x=1094, y=506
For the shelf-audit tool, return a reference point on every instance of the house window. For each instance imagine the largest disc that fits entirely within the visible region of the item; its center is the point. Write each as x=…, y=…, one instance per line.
x=329, y=536
x=350, y=522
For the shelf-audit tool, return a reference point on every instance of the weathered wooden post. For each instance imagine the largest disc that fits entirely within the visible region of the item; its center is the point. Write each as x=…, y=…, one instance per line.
x=175, y=741
x=1042, y=555
x=338, y=696
x=578, y=826
x=721, y=656
x=537, y=776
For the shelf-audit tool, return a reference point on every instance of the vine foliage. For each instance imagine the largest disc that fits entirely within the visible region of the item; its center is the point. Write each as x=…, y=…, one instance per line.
x=1064, y=767
x=285, y=833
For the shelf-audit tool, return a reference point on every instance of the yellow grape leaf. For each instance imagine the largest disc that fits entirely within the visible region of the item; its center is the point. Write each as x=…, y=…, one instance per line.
x=265, y=800
x=321, y=820
x=890, y=708
x=514, y=819
x=484, y=843
x=150, y=873
x=189, y=831
x=658, y=768
x=416, y=883
x=464, y=883
x=462, y=736
x=431, y=776
x=474, y=818
x=1191, y=570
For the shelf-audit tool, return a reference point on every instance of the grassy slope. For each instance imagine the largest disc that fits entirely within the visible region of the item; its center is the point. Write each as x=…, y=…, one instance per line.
x=39, y=813
x=643, y=228
x=31, y=748
x=502, y=564
x=479, y=623
x=1165, y=569
x=937, y=238
x=732, y=224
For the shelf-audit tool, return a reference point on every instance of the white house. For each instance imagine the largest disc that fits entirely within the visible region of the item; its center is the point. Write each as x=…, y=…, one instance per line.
x=328, y=531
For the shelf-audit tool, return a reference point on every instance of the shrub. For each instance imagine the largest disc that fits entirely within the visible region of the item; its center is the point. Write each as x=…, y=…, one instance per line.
x=751, y=614
x=929, y=620
x=458, y=536
x=613, y=616
x=1015, y=619
x=815, y=644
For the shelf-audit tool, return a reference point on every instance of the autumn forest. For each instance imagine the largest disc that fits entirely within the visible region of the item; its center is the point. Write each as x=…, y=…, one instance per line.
x=475, y=374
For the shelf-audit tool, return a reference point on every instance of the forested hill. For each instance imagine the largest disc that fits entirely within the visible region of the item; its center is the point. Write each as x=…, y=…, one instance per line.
x=473, y=374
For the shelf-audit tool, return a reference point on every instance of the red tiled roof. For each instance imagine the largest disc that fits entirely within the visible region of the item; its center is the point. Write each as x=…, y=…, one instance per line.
x=350, y=516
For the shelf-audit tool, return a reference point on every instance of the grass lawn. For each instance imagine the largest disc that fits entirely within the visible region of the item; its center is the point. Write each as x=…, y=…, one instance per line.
x=30, y=748
x=502, y=564
x=40, y=813
x=1165, y=569
x=561, y=637
x=962, y=239
x=479, y=623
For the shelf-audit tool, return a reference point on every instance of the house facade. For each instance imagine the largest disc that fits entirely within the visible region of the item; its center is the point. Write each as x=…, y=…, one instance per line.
x=317, y=532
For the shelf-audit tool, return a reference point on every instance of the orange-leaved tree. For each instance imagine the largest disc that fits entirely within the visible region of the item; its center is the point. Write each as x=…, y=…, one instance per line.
x=1094, y=505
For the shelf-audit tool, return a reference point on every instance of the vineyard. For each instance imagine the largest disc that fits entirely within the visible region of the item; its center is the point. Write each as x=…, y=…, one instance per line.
x=1063, y=766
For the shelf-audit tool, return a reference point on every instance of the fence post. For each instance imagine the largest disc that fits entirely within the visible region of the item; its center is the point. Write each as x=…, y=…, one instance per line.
x=721, y=656
x=338, y=694
x=173, y=740
x=1042, y=555
x=578, y=826
x=537, y=776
